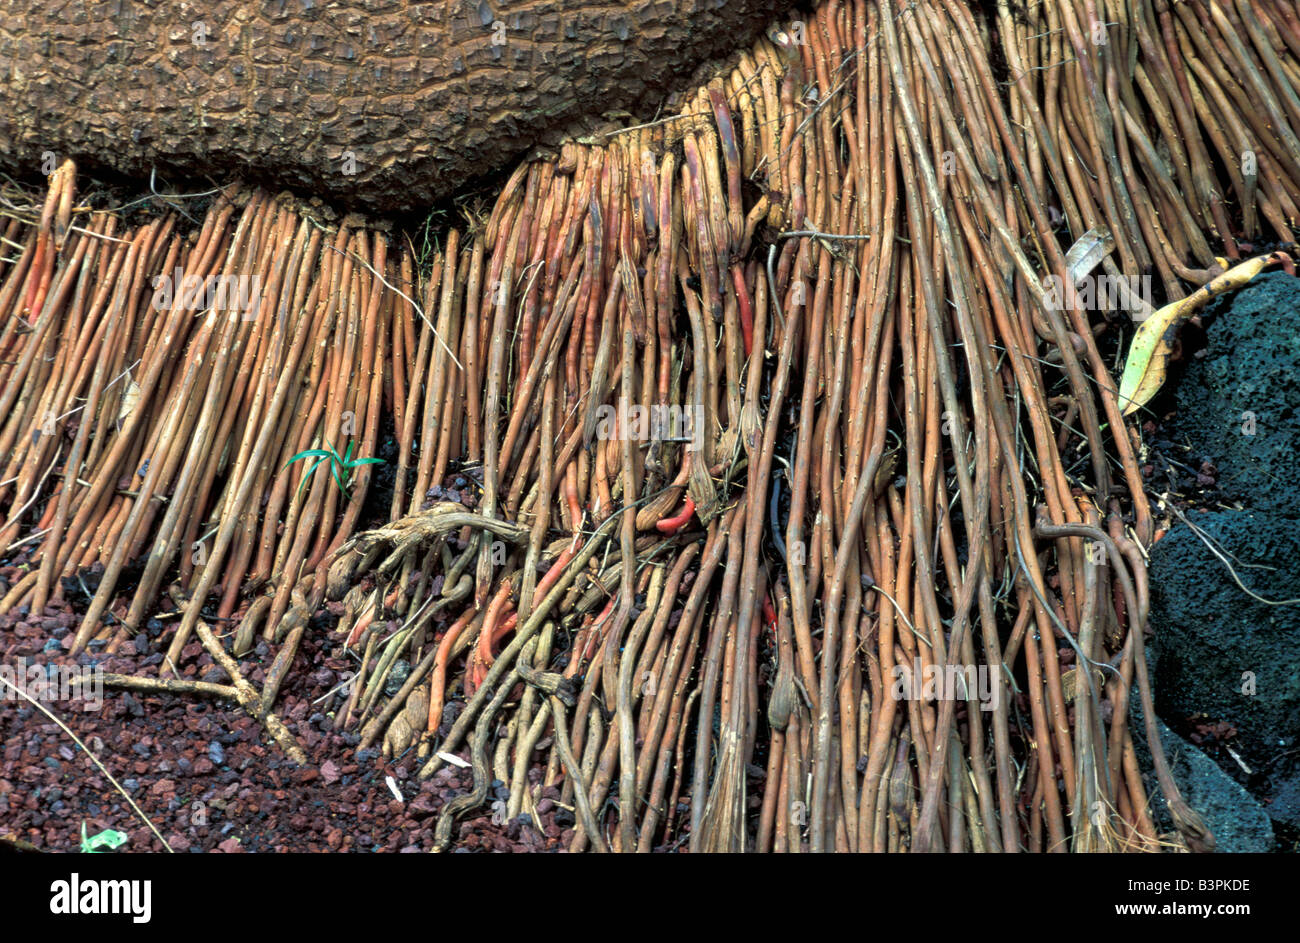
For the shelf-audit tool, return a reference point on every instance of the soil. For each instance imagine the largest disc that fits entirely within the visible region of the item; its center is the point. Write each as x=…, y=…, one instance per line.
x=206, y=775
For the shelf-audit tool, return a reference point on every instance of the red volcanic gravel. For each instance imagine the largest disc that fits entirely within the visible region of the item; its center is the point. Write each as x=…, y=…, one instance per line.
x=206, y=774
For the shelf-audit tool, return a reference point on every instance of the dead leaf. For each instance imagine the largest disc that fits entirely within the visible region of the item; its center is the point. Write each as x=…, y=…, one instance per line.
x=1148, y=356
x=129, y=398
x=1087, y=253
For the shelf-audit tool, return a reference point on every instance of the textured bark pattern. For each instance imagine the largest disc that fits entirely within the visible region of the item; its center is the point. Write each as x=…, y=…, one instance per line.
x=416, y=99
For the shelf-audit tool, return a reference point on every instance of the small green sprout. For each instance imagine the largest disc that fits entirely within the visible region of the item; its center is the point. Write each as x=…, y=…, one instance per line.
x=108, y=838
x=341, y=466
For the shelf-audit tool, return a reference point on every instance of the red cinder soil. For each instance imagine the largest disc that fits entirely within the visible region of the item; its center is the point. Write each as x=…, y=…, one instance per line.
x=205, y=773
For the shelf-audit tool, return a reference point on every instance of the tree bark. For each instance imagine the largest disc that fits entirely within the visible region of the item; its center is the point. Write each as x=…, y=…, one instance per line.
x=380, y=105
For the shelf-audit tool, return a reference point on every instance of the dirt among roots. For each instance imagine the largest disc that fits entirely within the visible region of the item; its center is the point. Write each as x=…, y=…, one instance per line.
x=205, y=773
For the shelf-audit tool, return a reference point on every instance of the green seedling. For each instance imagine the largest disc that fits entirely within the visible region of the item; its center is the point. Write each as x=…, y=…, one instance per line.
x=341, y=466
x=108, y=838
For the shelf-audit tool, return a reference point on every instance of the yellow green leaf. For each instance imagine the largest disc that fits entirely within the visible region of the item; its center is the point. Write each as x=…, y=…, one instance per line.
x=1148, y=356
